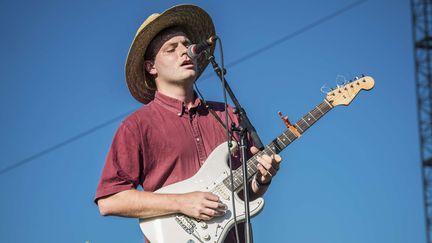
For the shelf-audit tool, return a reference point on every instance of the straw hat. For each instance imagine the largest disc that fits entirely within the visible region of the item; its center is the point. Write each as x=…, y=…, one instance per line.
x=198, y=26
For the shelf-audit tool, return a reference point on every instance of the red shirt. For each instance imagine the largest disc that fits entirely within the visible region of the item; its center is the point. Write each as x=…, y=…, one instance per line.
x=162, y=143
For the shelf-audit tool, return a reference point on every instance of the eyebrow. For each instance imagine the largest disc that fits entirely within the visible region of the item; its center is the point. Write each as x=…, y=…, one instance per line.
x=175, y=44
x=187, y=41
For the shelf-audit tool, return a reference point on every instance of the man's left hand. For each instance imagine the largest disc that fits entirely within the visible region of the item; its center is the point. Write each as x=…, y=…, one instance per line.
x=268, y=166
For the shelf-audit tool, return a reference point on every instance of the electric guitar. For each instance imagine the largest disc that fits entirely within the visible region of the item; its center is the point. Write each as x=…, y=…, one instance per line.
x=214, y=176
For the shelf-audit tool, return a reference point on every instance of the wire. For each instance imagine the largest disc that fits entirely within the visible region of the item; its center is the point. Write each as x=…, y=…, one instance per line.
x=64, y=143
x=234, y=63
x=289, y=36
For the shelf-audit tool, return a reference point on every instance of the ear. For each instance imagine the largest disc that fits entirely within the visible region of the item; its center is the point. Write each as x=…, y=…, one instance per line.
x=149, y=67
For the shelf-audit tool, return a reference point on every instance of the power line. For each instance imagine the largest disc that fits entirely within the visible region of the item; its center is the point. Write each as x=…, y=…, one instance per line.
x=296, y=33
x=290, y=36
x=232, y=64
x=61, y=144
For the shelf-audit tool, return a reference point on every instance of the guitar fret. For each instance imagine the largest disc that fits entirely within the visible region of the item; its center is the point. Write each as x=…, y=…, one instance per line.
x=305, y=121
x=277, y=147
x=320, y=110
x=327, y=103
x=287, y=137
x=298, y=127
x=269, y=148
x=323, y=107
x=248, y=170
x=318, y=113
x=278, y=138
x=266, y=151
x=313, y=116
x=291, y=136
x=315, y=113
x=308, y=119
x=254, y=167
x=300, y=124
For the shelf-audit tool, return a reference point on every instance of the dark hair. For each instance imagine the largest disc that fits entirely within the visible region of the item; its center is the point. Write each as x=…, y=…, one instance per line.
x=155, y=45
x=157, y=42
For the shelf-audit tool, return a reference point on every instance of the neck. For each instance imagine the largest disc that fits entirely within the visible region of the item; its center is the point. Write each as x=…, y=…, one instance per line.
x=179, y=92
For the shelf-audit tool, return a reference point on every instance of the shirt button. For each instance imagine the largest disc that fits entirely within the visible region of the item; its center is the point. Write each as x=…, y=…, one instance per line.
x=198, y=139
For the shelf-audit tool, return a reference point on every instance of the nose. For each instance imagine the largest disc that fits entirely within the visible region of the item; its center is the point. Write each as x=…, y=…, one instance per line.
x=182, y=49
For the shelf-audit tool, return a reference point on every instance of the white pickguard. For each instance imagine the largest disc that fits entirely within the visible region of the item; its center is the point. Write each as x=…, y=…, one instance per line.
x=181, y=229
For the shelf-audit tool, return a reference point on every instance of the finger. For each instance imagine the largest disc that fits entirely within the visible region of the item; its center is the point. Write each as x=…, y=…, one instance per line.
x=204, y=217
x=276, y=161
x=259, y=172
x=270, y=174
x=222, y=207
x=274, y=167
x=212, y=197
x=277, y=158
x=272, y=171
x=265, y=161
x=254, y=150
x=211, y=213
x=265, y=173
x=215, y=205
x=271, y=162
x=268, y=158
x=262, y=170
x=259, y=168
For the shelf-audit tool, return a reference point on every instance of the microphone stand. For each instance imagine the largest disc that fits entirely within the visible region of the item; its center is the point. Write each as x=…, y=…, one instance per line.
x=244, y=126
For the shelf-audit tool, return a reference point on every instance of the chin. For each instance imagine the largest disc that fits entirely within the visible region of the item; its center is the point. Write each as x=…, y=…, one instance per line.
x=184, y=79
x=190, y=76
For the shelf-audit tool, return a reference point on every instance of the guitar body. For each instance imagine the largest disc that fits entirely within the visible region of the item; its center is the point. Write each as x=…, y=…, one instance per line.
x=182, y=229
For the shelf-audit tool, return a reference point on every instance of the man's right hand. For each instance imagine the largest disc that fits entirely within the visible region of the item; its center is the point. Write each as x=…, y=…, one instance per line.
x=201, y=205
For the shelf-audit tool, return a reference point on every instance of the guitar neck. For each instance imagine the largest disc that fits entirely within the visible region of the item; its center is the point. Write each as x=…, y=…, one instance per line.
x=280, y=143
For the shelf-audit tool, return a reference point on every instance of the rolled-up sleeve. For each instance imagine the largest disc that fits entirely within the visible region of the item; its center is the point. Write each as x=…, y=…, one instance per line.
x=123, y=165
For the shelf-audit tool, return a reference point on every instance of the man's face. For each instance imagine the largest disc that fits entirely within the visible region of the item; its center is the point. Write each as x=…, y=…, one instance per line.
x=171, y=63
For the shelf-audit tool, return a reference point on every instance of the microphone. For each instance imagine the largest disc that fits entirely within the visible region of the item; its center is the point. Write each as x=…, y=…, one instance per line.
x=195, y=50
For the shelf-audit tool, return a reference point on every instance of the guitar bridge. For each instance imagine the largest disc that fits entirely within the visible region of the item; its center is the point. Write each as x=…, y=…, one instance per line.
x=186, y=223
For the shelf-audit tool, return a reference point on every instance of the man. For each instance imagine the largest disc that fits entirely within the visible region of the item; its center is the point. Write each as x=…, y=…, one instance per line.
x=169, y=138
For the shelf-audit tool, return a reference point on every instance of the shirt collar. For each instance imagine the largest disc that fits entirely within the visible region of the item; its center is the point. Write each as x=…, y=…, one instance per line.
x=175, y=105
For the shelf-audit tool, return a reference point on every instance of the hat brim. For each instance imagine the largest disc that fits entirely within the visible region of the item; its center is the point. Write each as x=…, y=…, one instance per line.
x=193, y=19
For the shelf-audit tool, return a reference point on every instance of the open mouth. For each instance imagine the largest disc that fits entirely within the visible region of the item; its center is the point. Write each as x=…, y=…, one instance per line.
x=187, y=63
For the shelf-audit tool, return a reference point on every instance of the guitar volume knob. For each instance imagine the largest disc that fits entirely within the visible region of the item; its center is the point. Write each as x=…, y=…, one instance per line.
x=203, y=225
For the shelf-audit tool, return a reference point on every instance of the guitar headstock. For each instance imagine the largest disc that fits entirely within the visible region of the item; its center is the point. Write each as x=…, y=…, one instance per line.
x=343, y=95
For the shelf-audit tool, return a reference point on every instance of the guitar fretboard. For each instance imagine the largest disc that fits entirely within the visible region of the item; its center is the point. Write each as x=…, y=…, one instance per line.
x=279, y=143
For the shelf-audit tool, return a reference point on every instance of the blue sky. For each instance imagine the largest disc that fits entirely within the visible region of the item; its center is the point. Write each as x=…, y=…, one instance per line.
x=353, y=177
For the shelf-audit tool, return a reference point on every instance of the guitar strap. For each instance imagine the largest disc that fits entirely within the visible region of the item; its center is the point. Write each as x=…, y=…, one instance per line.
x=218, y=119
x=214, y=114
